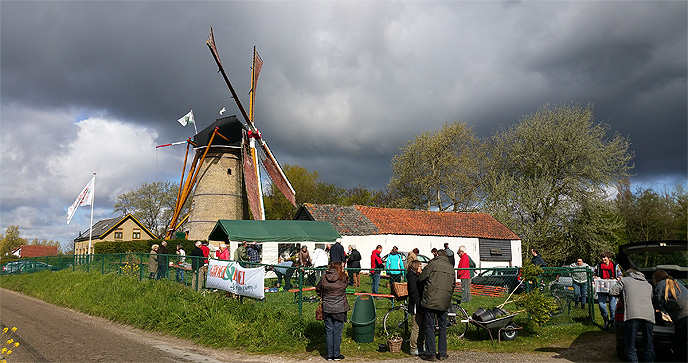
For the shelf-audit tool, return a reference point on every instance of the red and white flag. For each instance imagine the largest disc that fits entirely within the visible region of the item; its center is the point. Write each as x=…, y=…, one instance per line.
x=84, y=198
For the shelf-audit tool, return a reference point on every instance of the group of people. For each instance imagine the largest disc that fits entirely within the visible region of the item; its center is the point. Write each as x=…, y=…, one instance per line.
x=158, y=261
x=430, y=291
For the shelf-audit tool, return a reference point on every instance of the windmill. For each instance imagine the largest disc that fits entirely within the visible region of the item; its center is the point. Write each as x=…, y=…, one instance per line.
x=225, y=170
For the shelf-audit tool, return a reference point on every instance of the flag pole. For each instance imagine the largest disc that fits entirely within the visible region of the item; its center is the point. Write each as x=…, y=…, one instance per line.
x=194, y=122
x=90, y=230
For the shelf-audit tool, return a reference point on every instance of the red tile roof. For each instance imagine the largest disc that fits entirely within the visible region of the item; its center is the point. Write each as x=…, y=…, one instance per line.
x=38, y=251
x=430, y=223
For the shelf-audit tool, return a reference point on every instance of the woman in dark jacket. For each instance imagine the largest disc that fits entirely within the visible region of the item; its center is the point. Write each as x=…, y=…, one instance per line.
x=354, y=266
x=332, y=288
x=415, y=291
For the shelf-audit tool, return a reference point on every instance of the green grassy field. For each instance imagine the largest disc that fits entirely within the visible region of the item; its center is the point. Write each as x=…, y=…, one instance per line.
x=269, y=326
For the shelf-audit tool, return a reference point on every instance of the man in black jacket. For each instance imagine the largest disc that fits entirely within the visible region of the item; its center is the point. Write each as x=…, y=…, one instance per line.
x=337, y=252
x=162, y=261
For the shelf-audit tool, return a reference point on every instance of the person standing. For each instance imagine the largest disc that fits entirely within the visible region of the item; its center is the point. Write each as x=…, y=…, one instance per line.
x=337, y=253
x=320, y=262
x=672, y=297
x=537, y=259
x=162, y=261
x=304, y=259
x=206, y=251
x=354, y=266
x=153, y=261
x=375, y=268
x=223, y=252
x=179, y=275
x=241, y=253
x=450, y=254
x=197, y=266
x=580, y=283
x=607, y=270
x=394, y=265
x=415, y=292
x=254, y=249
x=464, y=274
x=639, y=314
x=438, y=277
x=332, y=288
x=412, y=256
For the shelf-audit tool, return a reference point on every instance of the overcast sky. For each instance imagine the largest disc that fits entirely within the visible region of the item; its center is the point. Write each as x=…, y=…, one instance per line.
x=94, y=86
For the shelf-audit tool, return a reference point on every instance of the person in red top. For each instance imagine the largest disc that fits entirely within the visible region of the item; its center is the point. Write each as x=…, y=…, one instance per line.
x=464, y=275
x=610, y=271
x=223, y=253
x=376, y=263
x=206, y=251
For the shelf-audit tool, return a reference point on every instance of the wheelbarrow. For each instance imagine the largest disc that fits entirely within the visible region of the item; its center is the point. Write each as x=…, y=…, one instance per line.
x=507, y=329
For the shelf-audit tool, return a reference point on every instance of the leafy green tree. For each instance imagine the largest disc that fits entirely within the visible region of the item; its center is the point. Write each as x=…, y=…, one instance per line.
x=649, y=215
x=309, y=189
x=152, y=204
x=440, y=169
x=363, y=196
x=594, y=228
x=543, y=169
x=10, y=240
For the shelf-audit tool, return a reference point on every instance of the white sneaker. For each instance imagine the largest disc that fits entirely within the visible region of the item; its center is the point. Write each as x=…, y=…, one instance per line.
x=414, y=352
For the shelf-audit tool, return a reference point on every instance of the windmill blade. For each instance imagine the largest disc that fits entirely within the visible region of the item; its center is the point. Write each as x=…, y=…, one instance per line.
x=251, y=182
x=276, y=174
x=211, y=45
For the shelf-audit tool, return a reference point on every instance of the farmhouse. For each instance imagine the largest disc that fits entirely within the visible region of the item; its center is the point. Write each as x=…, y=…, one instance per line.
x=125, y=228
x=488, y=242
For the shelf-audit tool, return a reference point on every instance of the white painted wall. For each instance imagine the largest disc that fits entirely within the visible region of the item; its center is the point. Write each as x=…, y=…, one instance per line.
x=366, y=244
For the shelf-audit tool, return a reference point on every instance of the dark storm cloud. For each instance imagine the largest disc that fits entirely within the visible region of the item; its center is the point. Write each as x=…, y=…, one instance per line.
x=343, y=86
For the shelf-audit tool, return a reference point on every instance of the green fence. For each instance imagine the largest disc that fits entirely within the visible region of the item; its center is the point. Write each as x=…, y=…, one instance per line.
x=489, y=287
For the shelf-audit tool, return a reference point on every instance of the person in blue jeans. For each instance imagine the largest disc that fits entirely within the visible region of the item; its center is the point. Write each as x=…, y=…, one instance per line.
x=607, y=270
x=639, y=314
x=376, y=263
x=580, y=282
x=332, y=288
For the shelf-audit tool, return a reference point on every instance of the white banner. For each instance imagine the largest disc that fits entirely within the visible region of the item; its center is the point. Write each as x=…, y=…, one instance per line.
x=84, y=198
x=230, y=276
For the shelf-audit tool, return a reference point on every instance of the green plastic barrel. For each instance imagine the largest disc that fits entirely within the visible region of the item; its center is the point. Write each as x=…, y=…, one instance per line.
x=363, y=319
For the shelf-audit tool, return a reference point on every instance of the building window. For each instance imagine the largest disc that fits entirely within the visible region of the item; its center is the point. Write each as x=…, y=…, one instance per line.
x=119, y=234
x=136, y=234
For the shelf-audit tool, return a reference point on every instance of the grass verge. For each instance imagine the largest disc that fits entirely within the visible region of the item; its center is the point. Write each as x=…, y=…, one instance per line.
x=268, y=327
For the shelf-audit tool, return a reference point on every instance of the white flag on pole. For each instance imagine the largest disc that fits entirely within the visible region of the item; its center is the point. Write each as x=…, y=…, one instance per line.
x=188, y=118
x=84, y=198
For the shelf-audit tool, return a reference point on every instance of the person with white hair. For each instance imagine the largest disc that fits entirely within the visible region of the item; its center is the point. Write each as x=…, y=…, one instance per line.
x=464, y=274
x=223, y=252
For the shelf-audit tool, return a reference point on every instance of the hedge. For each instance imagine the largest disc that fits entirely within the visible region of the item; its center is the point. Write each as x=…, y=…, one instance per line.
x=141, y=246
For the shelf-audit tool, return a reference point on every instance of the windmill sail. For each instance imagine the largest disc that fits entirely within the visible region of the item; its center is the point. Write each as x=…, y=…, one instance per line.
x=252, y=192
x=277, y=176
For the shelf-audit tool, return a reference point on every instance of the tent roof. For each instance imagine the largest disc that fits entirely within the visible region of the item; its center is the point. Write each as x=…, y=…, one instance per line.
x=273, y=231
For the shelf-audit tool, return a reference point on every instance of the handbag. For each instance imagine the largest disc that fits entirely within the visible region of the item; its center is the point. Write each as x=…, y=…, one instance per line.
x=319, y=314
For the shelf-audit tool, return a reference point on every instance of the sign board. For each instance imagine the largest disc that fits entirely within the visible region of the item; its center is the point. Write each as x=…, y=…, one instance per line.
x=603, y=285
x=230, y=276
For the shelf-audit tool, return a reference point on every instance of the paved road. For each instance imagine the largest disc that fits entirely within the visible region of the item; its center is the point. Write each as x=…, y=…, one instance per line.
x=48, y=333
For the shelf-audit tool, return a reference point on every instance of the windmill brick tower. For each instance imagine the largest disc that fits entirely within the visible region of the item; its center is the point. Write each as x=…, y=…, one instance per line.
x=220, y=192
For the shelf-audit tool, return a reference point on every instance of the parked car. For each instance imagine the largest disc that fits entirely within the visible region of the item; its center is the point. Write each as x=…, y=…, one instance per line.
x=24, y=266
x=648, y=257
x=508, y=278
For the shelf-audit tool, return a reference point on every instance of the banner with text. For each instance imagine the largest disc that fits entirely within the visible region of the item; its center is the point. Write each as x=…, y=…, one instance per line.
x=230, y=276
